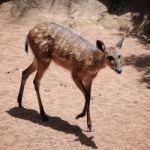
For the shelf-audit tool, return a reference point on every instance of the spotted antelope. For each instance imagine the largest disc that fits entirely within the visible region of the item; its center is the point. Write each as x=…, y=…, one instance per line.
x=50, y=41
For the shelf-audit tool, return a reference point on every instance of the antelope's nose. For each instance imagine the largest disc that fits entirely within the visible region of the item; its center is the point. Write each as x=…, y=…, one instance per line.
x=119, y=71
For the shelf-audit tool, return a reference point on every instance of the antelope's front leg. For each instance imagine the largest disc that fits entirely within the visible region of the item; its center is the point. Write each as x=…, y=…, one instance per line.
x=88, y=84
x=86, y=110
x=89, y=123
x=83, y=113
x=85, y=88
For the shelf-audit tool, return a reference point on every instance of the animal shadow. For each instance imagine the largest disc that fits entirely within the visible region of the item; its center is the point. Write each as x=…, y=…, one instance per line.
x=142, y=64
x=53, y=122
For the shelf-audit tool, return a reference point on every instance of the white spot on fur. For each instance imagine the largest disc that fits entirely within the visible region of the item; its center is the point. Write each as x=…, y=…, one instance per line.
x=36, y=30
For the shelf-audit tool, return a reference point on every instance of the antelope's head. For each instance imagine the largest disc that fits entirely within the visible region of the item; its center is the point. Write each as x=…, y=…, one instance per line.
x=112, y=55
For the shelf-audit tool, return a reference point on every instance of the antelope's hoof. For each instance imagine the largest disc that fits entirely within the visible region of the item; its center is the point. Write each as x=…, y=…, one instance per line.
x=90, y=129
x=20, y=105
x=80, y=115
x=44, y=118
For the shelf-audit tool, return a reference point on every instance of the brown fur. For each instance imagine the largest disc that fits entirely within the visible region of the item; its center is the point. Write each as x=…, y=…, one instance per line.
x=50, y=41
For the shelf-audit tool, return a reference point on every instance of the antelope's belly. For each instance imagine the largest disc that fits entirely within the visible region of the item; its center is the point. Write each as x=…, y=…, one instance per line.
x=63, y=62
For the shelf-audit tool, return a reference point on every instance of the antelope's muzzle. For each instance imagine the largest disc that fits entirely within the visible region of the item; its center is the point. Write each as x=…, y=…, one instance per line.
x=119, y=71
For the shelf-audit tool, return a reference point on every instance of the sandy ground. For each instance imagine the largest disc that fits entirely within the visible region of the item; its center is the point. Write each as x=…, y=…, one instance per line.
x=120, y=107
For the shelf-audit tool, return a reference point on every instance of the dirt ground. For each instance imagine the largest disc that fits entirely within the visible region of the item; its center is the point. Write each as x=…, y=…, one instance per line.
x=120, y=106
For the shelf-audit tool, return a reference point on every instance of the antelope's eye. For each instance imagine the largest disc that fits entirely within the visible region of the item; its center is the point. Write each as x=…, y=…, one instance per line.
x=119, y=56
x=110, y=58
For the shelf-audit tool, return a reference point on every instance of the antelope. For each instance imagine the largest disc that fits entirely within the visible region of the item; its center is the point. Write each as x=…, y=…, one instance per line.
x=50, y=41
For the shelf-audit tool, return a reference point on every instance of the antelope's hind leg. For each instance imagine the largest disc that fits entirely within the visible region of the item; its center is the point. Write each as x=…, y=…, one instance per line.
x=80, y=85
x=41, y=68
x=25, y=74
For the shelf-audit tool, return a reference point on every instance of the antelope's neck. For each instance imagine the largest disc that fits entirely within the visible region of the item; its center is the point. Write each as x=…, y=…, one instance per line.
x=102, y=60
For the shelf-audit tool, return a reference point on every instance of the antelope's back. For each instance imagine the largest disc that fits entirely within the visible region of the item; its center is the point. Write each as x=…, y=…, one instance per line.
x=61, y=43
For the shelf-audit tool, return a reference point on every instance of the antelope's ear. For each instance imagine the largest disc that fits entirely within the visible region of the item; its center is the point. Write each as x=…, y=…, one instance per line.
x=100, y=45
x=119, y=44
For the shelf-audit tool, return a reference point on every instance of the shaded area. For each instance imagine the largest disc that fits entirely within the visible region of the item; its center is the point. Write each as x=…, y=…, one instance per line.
x=4, y=1
x=140, y=15
x=142, y=64
x=120, y=7
x=55, y=123
x=141, y=24
x=115, y=6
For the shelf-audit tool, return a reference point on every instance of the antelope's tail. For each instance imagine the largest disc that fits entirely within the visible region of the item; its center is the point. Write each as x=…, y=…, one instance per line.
x=26, y=43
